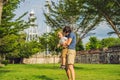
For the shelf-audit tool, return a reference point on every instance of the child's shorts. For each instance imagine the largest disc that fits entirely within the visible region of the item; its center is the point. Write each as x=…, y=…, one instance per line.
x=64, y=52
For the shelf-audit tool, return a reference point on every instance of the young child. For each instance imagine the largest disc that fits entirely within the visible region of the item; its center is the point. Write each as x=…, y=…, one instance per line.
x=62, y=41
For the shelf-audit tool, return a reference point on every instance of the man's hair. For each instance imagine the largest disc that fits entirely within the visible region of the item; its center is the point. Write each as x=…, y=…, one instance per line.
x=67, y=29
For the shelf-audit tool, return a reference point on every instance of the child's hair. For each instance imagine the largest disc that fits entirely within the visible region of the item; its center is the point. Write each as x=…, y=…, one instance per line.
x=61, y=32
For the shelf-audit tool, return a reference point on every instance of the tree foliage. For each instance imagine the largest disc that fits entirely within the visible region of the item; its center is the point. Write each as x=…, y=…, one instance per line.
x=73, y=13
x=83, y=16
x=11, y=28
x=8, y=25
x=109, y=10
x=49, y=40
x=28, y=49
x=108, y=42
x=23, y=49
x=95, y=43
x=8, y=43
x=79, y=46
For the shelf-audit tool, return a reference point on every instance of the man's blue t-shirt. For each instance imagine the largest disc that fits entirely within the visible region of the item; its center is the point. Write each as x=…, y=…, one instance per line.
x=73, y=43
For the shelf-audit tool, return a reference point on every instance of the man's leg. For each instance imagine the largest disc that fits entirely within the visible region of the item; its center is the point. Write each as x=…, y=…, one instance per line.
x=72, y=71
x=68, y=73
x=71, y=58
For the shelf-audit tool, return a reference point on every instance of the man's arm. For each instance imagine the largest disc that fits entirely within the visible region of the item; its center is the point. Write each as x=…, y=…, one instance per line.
x=69, y=41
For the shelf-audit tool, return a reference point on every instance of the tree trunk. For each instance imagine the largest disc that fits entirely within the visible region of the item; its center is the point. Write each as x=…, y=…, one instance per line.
x=109, y=20
x=1, y=6
x=54, y=60
x=21, y=60
x=111, y=23
x=13, y=61
x=4, y=57
x=0, y=58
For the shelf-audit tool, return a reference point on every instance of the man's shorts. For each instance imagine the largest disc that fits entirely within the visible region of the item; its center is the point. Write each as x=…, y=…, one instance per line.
x=71, y=56
x=64, y=52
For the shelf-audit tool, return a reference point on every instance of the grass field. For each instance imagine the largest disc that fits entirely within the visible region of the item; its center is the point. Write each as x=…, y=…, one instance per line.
x=53, y=72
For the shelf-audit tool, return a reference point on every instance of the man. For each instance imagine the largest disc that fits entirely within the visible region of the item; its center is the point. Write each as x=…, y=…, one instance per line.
x=71, y=43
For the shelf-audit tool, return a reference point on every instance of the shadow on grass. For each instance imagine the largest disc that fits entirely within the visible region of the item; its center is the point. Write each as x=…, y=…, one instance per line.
x=4, y=71
x=89, y=68
x=43, y=66
x=43, y=77
x=79, y=68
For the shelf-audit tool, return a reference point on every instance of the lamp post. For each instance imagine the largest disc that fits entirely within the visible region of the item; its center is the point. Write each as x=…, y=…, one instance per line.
x=47, y=4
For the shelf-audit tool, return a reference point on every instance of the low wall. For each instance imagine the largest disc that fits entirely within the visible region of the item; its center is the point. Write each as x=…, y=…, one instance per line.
x=110, y=56
x=101, y=57
x=41, y=60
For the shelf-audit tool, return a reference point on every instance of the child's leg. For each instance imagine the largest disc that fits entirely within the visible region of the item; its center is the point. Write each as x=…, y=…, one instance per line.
x=63, y=61
x=63, y=58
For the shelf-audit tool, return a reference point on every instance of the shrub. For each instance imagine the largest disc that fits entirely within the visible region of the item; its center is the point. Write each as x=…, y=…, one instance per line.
x=5, y=62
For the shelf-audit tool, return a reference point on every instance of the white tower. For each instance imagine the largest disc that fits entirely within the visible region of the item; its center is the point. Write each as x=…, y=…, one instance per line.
x=32, y=32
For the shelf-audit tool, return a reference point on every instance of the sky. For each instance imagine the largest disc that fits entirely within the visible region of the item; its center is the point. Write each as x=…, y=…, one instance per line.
x=38, y=6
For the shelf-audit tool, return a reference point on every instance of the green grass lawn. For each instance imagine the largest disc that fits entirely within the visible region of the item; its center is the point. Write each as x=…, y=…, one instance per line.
x=53, y=72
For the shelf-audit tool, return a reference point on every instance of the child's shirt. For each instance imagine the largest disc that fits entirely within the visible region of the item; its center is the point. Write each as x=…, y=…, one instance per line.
x=62, y=40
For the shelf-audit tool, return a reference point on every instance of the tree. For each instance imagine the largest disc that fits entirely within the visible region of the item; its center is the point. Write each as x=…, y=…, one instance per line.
x=80, y=46
x=8, y=44
x=16, y=49
x=2, y=2
x=51, y=39
x=73, y=13
x=93, y=43
x=28, y=49
x=87, y=47
x=9, y=28
x=20, y=48
x=108, y=42
x=1, y=6
x=8, y=25
x=110, y=11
